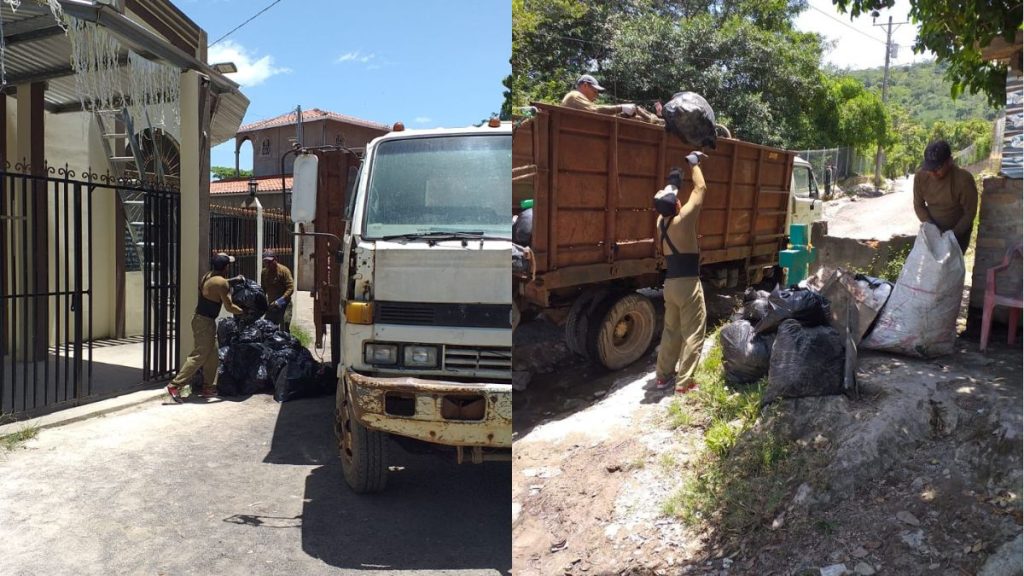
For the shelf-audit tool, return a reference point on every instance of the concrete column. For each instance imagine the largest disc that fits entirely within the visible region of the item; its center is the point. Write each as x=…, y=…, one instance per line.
x=193, y=264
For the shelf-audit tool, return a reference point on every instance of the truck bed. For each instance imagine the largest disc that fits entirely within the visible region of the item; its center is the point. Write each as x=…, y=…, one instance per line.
x=593, y=177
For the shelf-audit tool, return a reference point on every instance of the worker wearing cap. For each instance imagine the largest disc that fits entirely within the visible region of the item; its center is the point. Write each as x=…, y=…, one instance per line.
x=685, y=314
x=276, y=280
x=945, y=194
x=586, y=92
x=214, y=292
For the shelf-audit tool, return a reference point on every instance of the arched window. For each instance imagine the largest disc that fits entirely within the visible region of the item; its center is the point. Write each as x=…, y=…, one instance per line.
x=265, y=147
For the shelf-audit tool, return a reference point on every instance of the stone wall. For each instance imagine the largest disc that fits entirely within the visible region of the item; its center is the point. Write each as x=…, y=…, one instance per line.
x=869, y=256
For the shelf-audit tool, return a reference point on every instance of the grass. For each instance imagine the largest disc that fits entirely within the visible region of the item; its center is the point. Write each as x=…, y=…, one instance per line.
x=11, y=441
x=747, y=469
x=304, y=338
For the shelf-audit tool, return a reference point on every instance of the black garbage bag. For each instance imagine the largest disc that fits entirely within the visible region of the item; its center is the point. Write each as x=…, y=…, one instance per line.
x=806, y=306
x=755, y=306
x=522, y=228
x=281, y=341
x=244, y=369
x=301, y=377
x=249, y=333
x=267, y=328
x=690, y=118
x=745, y=355
x=250, y=297
x=806, y=361
x=227, y=331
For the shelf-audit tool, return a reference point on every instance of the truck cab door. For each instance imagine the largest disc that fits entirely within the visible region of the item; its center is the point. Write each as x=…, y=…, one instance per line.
x=805, y=207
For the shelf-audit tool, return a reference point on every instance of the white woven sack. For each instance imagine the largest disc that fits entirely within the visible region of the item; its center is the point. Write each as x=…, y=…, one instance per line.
x=920, y=317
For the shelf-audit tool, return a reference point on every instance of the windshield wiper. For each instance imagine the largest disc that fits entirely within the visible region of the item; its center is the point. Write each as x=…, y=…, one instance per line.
x=433, y=237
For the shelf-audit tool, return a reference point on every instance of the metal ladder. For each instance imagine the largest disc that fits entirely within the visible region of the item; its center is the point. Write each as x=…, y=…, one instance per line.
x=132, y=166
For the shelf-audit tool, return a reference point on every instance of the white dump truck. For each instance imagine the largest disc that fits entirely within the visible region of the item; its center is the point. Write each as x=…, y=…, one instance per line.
x=412, y=264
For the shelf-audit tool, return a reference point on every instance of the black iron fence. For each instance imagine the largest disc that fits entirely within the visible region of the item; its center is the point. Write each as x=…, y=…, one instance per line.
x=233, y=231
x=55, y=228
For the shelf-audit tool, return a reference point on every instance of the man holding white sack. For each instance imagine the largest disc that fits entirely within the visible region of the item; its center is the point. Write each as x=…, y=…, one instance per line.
x=945, y=194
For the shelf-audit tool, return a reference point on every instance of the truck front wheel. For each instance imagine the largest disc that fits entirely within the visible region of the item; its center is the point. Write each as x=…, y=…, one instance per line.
x=363, y=452
x=621, y=330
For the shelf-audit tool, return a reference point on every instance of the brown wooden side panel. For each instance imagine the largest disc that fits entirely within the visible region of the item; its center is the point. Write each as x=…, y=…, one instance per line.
x=595, y=204
x=332, y=187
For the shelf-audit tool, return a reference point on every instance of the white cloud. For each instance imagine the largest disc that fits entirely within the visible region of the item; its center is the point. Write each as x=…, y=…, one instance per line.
x=357, y=56
x=422, y=119
x=251, y=71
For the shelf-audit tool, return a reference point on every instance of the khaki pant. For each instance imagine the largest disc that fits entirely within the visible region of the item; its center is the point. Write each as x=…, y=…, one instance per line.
x=683, y=336
x=204, y=356
x=283, y=318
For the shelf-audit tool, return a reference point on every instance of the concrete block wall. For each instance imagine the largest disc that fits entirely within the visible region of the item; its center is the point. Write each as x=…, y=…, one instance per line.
x=999, y=227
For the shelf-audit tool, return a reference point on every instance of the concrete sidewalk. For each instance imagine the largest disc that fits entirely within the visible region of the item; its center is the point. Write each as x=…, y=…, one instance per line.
x=86, y=411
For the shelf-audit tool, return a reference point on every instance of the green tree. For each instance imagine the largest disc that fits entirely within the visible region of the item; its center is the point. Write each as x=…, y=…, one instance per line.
x=956, y=32
x=224, y=172
x=756, y=71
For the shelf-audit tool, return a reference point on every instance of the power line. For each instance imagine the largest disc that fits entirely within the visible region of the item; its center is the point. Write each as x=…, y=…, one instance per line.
x=847, y=24
x=254, y=16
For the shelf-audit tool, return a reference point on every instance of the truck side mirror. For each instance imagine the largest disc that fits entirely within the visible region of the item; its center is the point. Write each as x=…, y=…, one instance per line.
x=304, y=182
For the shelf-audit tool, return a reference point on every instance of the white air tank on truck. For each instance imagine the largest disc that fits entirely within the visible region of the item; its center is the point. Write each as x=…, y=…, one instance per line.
x=413, y=255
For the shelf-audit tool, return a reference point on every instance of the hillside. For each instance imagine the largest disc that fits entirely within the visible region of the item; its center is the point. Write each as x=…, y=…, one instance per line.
x=924, y=92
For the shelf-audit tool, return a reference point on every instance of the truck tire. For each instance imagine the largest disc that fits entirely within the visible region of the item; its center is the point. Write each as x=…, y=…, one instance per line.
x=363, y=452
x=577, y=322
x=621, y=330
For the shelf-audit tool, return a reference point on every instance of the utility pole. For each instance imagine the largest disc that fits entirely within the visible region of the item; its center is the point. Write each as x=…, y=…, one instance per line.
x=889, y=49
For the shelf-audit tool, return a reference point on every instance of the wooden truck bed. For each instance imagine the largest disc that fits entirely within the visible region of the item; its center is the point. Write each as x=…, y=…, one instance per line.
x=593, y=179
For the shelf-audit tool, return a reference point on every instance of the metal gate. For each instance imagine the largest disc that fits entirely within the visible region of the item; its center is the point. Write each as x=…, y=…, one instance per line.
x=59, y=236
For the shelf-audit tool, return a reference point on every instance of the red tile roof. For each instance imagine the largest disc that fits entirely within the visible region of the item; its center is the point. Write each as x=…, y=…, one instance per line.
x=241, y=185
x=310, y=116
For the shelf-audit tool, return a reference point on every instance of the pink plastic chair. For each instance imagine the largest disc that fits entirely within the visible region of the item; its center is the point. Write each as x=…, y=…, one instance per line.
x=992, y=300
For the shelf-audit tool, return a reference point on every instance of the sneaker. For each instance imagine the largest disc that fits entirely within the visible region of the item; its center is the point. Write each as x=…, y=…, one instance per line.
x=663, y=383
x=208, y=392
x=685, y=388
x=174, y=393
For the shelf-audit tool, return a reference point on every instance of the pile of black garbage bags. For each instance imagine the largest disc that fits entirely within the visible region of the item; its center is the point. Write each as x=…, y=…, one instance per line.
x=256, y=357
x=786, y=336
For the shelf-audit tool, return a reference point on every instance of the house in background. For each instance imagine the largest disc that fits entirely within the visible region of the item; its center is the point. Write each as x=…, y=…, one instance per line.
x=273, y=139
x=273, y=144
x=107, y=116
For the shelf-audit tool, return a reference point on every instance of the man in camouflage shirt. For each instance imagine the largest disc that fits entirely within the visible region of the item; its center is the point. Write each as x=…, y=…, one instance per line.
x=276, y=280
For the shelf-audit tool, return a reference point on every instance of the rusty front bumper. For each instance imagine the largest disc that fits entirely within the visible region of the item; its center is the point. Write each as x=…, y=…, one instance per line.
x=448, y=413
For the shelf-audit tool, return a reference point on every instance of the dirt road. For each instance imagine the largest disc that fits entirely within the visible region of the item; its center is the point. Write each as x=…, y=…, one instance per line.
x=875, y=218
x=596, y=461
x=238, y=487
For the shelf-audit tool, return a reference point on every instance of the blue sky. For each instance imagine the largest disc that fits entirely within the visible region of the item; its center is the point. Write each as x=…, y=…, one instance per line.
x=428, y=63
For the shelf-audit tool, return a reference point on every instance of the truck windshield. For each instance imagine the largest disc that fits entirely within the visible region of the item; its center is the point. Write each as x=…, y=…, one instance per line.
x=441, y=184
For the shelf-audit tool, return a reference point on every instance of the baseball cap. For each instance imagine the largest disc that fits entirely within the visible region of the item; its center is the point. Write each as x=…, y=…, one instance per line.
x=935, y=155
x=268, y=255
x=588, y=79
x=665, y=202
x=221, y=260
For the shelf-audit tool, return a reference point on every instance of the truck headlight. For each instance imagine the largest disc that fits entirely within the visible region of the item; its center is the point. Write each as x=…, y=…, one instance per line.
x=386, y=354
x=419, y=356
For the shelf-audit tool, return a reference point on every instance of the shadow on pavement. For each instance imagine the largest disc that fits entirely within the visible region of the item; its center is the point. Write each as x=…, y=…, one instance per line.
x=434, y=514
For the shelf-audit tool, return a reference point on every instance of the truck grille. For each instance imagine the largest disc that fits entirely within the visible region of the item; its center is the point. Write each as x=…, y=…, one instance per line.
x=469, y=358
x=430, y=314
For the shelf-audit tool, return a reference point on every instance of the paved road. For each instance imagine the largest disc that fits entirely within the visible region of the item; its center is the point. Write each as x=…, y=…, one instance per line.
x=246, y=487
x=875, y=218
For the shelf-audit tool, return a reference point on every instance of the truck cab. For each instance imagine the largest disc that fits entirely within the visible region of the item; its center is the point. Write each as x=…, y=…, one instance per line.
x=805, y=203
x=425, y=305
